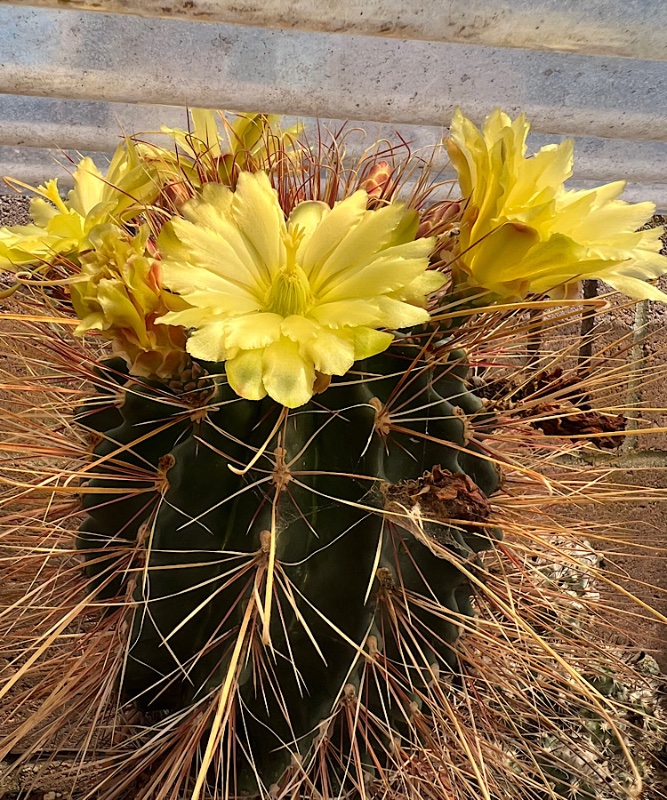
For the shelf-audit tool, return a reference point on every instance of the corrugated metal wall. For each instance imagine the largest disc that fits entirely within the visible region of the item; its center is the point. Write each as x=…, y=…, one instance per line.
x=73, y=73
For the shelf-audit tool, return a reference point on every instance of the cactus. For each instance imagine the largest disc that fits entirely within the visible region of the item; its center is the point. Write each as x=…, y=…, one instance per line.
x=322, y=501
x=298, y=573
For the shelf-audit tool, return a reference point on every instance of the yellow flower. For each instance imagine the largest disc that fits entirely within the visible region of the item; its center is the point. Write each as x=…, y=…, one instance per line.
x=250, y=141
x=522, y=231
x=61, y=226
x=245, y=135
x=281, y=300
x=118, y=294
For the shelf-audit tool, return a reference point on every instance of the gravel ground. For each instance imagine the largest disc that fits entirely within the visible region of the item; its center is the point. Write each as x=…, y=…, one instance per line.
x=14, y=209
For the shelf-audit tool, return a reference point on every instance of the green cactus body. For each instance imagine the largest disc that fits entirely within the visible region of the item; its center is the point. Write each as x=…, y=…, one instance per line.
x=329, y=488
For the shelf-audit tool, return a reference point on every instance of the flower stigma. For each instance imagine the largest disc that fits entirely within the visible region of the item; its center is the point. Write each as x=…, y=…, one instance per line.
x=290, y=292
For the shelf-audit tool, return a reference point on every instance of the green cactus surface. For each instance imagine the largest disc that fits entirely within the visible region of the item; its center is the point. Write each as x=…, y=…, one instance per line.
x=370, y=493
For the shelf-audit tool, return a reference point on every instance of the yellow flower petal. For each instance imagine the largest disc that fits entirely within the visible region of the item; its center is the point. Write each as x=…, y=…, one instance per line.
x=539, y=177
x=205, y=130
x=41, y=212
x=347, y=313
x=330, y=352
x=373, y=234
x=187, y=317
x=636, y=288
x=287, y=377
x=24, y=245
x=496, y=257
x=407, y=228
x=253, y=331
x=466, y=150
x=300, y=329
x=69, y=228
x=130, y=185
x=88, y=187
x=51, y=192
x=368, y=342
x=188, y=277
x=335, y=226
x=260, y=219
x=94, y=321
x=209, y=249
x=423, y=285
x=208, y=342
x=389, y=270
x=308, y=217
x=244, y=373
x=396, y=314
x=233, y=253
x=116, y=305
x=211, y=207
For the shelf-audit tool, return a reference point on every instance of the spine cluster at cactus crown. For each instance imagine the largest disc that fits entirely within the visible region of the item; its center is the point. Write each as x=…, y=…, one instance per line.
x=197, y=249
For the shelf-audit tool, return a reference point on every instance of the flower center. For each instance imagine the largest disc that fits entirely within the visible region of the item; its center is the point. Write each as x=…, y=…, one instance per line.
x=290, y=291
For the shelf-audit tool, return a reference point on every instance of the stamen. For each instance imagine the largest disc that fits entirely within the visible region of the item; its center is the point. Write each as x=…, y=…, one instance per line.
x=290, y=291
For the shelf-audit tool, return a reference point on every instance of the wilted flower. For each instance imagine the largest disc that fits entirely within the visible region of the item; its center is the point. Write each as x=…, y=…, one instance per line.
x=282, y=300
x=522, y=231
x=61, y=226
x=118, y=294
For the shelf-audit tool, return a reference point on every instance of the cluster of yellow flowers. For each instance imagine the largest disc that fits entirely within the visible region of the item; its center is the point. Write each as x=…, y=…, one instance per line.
x=284, y=300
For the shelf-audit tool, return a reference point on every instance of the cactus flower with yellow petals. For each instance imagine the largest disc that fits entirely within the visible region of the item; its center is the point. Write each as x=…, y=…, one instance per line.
x=282, y=300
x=118, y=294
x=204, y=153
x=60, y=227
x=522, y=232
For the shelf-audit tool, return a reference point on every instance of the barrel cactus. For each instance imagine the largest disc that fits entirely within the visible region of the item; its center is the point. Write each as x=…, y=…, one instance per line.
x=288, y=482
x=289, y=539
x=285, y=528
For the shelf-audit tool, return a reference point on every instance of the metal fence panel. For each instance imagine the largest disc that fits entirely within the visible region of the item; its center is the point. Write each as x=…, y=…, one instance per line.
x=75, y=79
x=631, y=28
